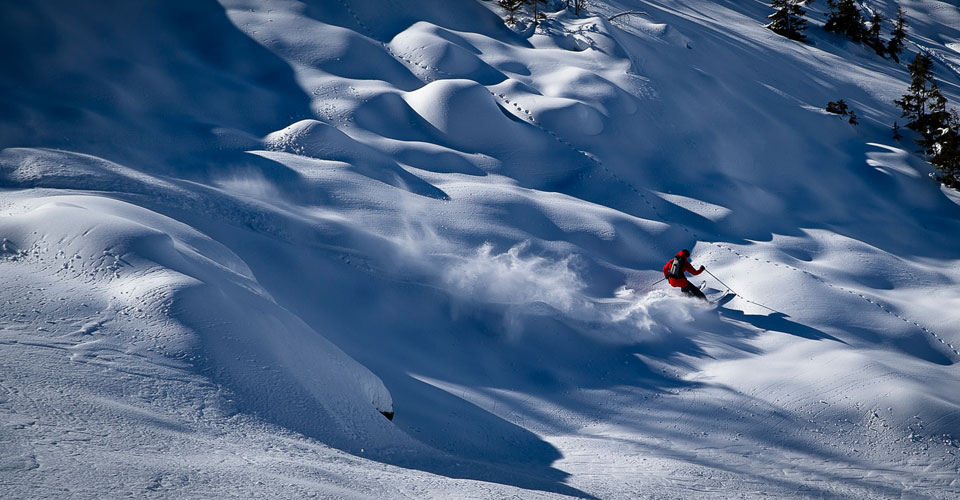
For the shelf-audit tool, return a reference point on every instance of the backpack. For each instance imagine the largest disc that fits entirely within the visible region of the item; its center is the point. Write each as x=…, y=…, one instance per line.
x=676, y=268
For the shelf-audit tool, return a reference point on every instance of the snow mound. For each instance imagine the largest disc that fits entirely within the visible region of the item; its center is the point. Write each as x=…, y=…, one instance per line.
x=319, y=140
x=465, y=112
x=444, y=52
x=237, y=232
x=570, y=117
x=144, y=264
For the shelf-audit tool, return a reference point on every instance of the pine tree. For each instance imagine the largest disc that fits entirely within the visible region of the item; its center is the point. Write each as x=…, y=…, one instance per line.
x=937, y=120
x=787, y=19
x=913, y=104
x=844, y=19
x=895, y=44
x=872, y=36
x=578, y=5
x=511, y=7
x=838, y=107
x=537, y=15
x=922, y=97
x=853, y=118
x=939, y=128
x=947, y=154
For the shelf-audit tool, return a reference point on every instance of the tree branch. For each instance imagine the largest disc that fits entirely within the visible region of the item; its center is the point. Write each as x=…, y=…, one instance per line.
x=628, y=13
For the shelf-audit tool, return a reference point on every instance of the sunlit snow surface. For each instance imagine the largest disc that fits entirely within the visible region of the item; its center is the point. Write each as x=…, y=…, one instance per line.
x=235, y=233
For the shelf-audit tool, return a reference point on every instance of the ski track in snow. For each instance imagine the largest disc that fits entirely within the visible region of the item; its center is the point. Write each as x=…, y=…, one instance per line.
x=862, y=296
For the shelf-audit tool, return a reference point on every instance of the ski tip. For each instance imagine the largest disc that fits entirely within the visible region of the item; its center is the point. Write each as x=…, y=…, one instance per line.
x=725, y=298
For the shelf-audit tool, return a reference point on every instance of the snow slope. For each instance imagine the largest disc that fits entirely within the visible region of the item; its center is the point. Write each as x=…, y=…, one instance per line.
x=236, y=233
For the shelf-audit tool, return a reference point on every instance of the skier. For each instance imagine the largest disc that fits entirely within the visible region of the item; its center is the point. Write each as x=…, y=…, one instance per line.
x=673, y=272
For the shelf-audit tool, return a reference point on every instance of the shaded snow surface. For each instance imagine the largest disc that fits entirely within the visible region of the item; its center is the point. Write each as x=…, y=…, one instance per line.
x=235, y=233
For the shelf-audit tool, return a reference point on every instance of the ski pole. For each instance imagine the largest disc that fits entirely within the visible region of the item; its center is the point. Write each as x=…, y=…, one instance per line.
x=738, y=295
x=653, y=285
x=718, y=279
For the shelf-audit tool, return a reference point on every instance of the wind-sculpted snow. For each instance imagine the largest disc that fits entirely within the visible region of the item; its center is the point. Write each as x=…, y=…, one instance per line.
x=316, y=139
x=237, y=235
x=190, y=292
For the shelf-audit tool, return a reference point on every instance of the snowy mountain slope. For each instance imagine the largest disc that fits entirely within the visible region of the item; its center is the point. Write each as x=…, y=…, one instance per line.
x=289, y=215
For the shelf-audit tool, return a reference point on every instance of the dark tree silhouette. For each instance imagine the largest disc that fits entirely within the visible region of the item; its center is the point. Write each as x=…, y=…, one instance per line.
x=853, y=119
x=923, y=102
x=946, y=156
x=939, y=128
x=844, y=19
x=537, y=15
x=838, y=107
x=895, y=44
x=511, y=7
x=578, y=5
x=872, y=35
x=787, y=19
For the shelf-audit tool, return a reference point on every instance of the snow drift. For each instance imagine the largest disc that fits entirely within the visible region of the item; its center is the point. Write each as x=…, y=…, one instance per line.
x=236, y=233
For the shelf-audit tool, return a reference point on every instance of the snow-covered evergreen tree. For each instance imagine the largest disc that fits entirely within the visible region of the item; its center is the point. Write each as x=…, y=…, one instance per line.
x=787, y=19
x=923, y=104
x=939, y=128
x=946, y=151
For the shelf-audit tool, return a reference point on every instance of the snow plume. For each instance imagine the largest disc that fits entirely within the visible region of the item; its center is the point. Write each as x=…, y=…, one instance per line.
x=532, y=286
x=516, y=278
x=631, y=318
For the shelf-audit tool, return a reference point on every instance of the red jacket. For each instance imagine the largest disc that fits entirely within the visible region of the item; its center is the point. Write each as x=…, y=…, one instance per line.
x=687, y=267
